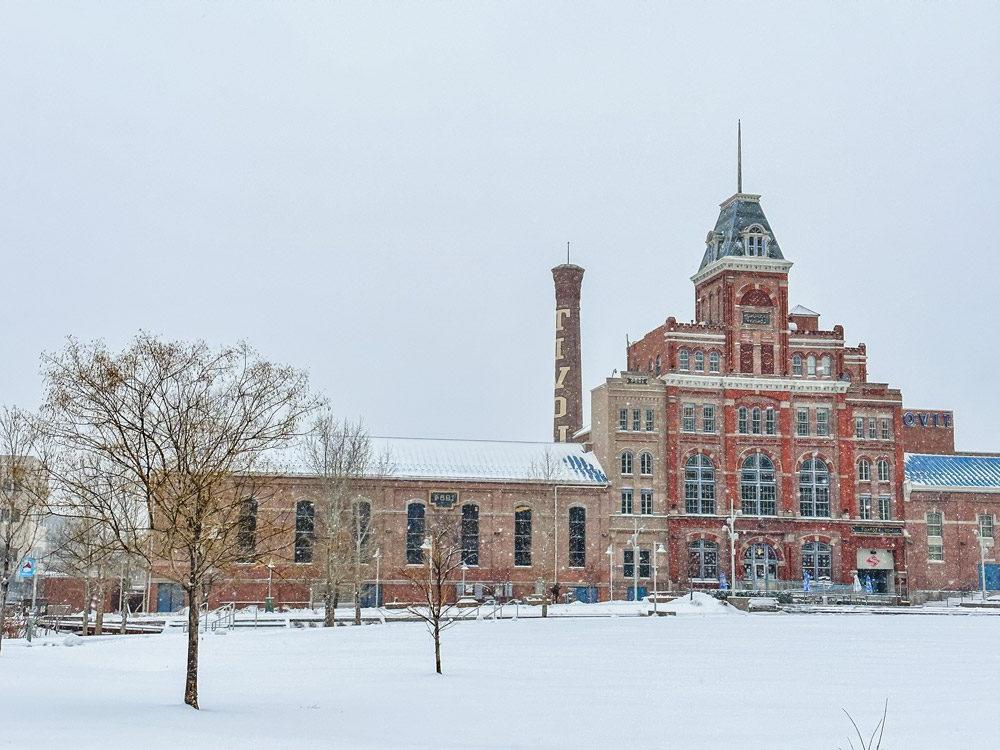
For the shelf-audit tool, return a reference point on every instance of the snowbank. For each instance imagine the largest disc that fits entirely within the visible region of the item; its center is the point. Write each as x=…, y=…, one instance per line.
x=699, y=604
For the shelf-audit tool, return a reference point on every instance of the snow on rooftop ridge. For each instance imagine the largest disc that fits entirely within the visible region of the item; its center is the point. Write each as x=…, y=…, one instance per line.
x=936, y=470
x=471, y=460
x=800, y=310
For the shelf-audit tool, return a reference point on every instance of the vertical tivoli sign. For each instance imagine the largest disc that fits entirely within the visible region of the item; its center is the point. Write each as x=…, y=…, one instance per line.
x=568, y=392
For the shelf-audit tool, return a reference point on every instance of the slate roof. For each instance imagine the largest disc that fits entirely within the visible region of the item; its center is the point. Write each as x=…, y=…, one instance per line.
x=735, y=215
x=929, y=470
x=473, y=460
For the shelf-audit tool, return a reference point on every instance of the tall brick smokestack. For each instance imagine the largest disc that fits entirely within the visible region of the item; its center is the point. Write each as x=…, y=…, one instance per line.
x=568, y=413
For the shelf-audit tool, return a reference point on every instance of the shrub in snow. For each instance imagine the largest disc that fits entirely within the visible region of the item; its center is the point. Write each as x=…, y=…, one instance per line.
x=72, y=640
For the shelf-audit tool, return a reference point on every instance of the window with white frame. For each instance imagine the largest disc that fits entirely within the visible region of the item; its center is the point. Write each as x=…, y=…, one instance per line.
x=628, y=563
x=714, y=362
x=755, y=421
x=758, y=488
x=626, y=462
x=699, y=361
x=864, y=470
x=703, y=559
x=626, y=501
x=796, y=364
x=687, y=418
x=814, y=488
x=817, y=560
x=684, y=360
x=935, y=535
x=699, y=485
x=811, y=366
x=801, y=422
x=743, y=421
x=824, y=366
x=872, y=428
x=755, y=245
x=769, y=421
x=985, y=525
x=646, y=502
x=646, y=464
x=650, y=421
x=885, y=508
x=883, y=470
x=623, y=419
x=859, y=427
x=636, y=420
x=886, y=429
x=823, y=422
x=865, y=507
x=644, y=567
x=708, y=418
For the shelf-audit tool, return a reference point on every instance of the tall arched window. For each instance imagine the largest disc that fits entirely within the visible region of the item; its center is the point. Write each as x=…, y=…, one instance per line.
x=714, y=361
x=522, y=537
x=646, y=464
x=760, y=561
x=744, y=423
x=627, y=462
x=699, y=361
x=246, y=535
x=416, y=525
x=814, y=488
x=796, y=364
x=883, y=470
x=470, y=534
x=817, y=560
x=824, y=366
x=755, y=423
x=305, y=531
x=703, y=559
x=758, y=490
x=577, y=537
x=683, y=360
x=699, y=485
x=864, y=470
x=811, y=366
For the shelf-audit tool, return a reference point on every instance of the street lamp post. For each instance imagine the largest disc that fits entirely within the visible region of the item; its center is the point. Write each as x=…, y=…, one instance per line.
x=269, y=604
x=378, y=583
x=611, y=572
x=464, y=569
x=984, y=542
x=657, y=551
x=730, y=529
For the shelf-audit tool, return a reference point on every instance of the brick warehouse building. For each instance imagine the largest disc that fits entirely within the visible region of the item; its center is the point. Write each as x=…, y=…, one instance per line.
x=751, y=417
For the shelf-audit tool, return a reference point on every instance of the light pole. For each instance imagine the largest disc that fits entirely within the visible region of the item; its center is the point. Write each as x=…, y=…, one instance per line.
x=635, y=560
x=730, y=529
x=984, y=542
x=610, y=552
x=464, y=568
x=657, y=551
x=269, y=604
x=378, y=584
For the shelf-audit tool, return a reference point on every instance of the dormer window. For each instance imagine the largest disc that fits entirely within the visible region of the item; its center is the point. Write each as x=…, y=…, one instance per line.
x=755, y=241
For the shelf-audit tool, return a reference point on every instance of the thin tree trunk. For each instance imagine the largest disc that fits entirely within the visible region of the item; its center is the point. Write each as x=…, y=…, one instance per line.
x=330, y=605
x=357, y=603
x=4, y=586
x=86, y=607
x=191, y=677
x=437, y=644
x=99, y=619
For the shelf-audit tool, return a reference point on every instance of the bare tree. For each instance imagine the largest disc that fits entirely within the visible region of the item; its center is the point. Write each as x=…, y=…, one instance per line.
x=167, y=443
x=442, y=553
x=545, y=471
x=23, y=493
x=341, y=455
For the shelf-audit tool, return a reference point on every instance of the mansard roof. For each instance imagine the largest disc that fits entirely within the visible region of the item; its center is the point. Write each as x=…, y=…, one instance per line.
x=737, y=214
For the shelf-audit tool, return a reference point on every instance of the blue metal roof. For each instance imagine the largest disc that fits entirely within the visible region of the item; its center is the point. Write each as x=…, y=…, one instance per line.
x=930, y=470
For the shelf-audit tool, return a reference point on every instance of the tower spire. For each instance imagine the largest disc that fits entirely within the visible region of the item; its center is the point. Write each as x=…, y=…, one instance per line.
x=739, y=156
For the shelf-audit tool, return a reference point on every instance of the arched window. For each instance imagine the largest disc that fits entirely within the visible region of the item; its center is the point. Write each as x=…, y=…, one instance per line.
x=743, y=426
x=824, y=366
x=811, y=366
x=627, y=462
x=814, y=488
x=755, y=424
x=714, y=363
x=646, y=464
x=470, y=534
x=883, y=470
x=796, y=364
x=522, y=537
x=305, y=531
x=769, y=421
x=699, y=361
x=703, y=559
x=246, y=534
x=864, y=470
x=758, y=490
x=415, y=529
x=755, y=245
x=760, y=562
x=577, y=537
x=817, y=560
x=699, y=485
x=683, y=360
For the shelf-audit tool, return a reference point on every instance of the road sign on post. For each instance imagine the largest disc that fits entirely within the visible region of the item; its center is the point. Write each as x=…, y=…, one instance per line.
x=27, y=569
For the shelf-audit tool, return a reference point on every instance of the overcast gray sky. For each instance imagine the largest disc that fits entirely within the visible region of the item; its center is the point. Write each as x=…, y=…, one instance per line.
x=376, y=192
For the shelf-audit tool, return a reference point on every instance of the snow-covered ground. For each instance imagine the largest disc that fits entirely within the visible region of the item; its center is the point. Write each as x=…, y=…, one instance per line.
x=686, y=681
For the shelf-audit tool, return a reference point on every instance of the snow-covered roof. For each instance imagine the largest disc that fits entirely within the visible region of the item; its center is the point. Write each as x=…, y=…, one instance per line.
x=932, y=470
x=475, y=460
x=800, y=310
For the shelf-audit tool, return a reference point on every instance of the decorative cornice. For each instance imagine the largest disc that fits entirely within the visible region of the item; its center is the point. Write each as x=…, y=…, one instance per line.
x=743, y=263
x=739, y=383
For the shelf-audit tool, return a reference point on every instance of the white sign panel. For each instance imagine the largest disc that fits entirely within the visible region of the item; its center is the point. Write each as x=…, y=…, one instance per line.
x=875, y=559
